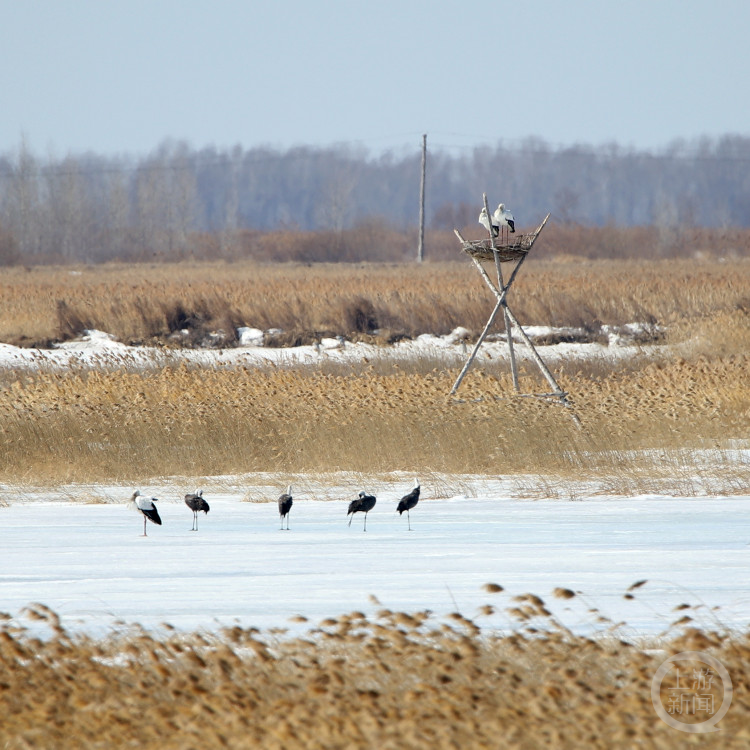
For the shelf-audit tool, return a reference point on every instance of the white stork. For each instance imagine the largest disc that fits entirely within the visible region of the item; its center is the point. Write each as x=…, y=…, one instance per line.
x=504, y=218
x=485, y=222
x=147, y=507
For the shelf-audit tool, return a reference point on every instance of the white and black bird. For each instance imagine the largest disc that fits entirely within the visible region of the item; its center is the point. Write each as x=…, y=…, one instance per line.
x=196, y=503
x=484, y=220
x=147, y=507
x=363, y=503
x=407, y=502
x=504, y=218
x=285, y=506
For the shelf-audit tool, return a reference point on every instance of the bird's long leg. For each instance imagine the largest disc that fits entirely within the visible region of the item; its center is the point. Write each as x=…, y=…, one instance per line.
x=408, y=519
x=144, y=525
x=365, y=528
x=196, y=520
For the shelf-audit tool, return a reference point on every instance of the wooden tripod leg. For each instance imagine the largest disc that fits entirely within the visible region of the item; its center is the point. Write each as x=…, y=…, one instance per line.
x=558, y=392
x=475, y=349
x=506, y=318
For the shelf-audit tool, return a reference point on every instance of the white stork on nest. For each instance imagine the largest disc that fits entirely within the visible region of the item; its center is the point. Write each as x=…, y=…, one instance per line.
x=504, y=218
x=485, y=222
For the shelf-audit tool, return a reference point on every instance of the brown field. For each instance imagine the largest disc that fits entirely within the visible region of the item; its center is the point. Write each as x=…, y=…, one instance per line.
x=398, y=680
x=138, y=303
x=641, y=422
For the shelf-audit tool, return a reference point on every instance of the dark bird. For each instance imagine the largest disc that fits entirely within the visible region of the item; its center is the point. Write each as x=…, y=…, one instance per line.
x=147, y=507
x=363, y=503
x=407, y=502
x=285, y=505
x=196, y=503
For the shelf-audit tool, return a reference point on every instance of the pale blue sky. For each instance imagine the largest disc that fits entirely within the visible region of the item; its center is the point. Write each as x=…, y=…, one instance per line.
x=119, y=76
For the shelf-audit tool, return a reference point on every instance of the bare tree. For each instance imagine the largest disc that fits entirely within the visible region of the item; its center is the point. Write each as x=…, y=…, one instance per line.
x=23, y=201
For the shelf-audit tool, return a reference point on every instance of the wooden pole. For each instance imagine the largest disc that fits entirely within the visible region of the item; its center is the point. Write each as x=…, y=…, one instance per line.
x=474, y=351
x=500, y=301
x=545, y=371
x=500, y=285
x=508, y=327
x=420, y=248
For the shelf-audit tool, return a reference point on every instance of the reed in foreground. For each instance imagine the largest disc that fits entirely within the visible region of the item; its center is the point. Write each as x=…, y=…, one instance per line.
x=395, y=680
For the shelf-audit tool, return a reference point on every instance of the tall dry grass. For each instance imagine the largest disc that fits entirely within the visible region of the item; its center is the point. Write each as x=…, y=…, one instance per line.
x=393, y=680
x=648, y=424
x=146, y=303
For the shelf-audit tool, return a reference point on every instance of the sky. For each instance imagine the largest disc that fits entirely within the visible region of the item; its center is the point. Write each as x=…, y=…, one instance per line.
x=121, y=76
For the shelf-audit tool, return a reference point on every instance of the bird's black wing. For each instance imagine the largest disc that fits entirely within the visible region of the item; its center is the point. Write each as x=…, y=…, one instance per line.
x=153, y=515
x=409, y=501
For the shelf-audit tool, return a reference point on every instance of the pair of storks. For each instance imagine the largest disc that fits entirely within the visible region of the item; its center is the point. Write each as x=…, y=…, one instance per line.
x=501, y=218
x=194, y=501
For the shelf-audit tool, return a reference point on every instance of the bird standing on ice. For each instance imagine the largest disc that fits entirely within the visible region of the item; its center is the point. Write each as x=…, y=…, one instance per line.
x=484, y=220
x=504, y=218
x=407, y=502
x=363, y=503
x=147, y=507
x=196, y=503
x=285, y=505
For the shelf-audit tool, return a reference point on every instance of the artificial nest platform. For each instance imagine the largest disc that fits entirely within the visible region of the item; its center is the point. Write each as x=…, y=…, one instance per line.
x=514, y=250
x=517, y=250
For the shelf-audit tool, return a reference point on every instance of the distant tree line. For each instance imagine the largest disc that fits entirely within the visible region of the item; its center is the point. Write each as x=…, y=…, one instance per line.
x=178, y=201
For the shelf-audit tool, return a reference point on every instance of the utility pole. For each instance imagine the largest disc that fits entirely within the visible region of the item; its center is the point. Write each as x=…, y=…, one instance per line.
x=420, y=248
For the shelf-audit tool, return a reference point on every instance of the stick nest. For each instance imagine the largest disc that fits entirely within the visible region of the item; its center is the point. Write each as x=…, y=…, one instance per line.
x=514, y=250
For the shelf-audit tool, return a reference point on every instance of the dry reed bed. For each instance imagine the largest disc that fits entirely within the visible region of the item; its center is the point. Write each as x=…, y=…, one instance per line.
x=395, y=680
x=639, y=423
x=144, y=302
